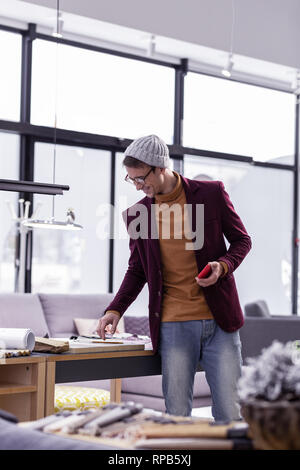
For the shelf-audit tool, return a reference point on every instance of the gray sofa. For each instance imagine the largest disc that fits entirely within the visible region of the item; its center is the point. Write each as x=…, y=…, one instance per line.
x=261, y=328
x=13, y=437
x=53, y=315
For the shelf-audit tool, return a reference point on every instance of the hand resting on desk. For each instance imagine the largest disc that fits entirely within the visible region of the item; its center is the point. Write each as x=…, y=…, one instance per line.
x=109, y=318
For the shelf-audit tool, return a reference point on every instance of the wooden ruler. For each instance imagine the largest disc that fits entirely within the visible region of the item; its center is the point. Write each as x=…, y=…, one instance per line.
x=80, y=347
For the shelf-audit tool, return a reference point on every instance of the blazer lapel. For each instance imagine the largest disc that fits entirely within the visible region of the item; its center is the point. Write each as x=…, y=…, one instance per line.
x=153, y=248
x=194, y=195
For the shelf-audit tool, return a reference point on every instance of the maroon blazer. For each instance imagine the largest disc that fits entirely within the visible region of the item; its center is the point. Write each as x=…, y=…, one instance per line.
x=145, y=264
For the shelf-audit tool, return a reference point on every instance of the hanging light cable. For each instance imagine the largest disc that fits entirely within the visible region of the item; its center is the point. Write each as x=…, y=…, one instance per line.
x=296, y=83
x=230, y=63
x=57, y=33
x=68, y=224
x=151, y=46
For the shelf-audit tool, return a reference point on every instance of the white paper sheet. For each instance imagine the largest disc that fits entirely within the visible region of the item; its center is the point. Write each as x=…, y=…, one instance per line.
x=17, y=338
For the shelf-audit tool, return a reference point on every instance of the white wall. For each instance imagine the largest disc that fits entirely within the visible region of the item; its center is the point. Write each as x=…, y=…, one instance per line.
x=264, y=29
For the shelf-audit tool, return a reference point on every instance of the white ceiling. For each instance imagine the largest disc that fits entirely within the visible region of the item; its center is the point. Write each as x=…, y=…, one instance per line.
x=265, y=35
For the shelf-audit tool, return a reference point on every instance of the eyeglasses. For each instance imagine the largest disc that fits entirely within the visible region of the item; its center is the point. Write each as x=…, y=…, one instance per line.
x=138, y=179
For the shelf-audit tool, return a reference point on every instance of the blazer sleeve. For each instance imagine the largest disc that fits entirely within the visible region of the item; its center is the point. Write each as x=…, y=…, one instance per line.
x=234, y=231
x=132, y=284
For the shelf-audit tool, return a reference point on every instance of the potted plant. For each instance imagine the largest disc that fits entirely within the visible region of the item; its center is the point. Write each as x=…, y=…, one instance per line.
x=269, y=394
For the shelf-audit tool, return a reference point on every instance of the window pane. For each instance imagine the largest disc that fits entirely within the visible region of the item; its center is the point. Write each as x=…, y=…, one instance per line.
x=10, y=76
x=230, y=117
x=68, y=261
x=9, y=169
x=126, y=195
x=101, y=93
x=267, y=213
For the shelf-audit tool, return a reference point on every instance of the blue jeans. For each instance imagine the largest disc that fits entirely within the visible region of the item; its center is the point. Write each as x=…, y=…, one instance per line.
x=184, y=344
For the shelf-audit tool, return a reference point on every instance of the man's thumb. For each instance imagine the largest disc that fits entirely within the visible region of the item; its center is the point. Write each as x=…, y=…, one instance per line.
x=114, y=327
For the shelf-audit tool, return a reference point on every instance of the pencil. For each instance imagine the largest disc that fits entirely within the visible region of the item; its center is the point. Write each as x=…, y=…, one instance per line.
x=108, y=342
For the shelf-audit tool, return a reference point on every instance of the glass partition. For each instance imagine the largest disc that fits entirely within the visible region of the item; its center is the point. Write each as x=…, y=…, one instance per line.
x=236, y=118
x=100, y=93
x=10, y=76
x=72, y=261
x=263, y=198
x=9, y=169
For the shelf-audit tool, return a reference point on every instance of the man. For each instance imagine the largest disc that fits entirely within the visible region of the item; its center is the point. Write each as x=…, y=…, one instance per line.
x=191, y=320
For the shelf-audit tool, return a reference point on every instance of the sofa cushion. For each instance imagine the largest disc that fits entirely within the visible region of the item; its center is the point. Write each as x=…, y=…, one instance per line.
x=137, y=325
x=104, y=384
x=152, y=385
x=23, y=311
x=158, y=403
x=70, y=397
x=61, y=309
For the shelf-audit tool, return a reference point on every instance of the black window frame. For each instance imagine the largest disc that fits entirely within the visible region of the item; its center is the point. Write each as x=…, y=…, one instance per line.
x=30, y=134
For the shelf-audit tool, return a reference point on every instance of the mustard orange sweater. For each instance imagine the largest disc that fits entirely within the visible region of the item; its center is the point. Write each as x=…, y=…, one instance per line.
x=183, y=299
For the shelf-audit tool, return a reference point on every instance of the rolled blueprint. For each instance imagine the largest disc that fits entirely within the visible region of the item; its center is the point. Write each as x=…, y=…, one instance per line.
x=17, y=338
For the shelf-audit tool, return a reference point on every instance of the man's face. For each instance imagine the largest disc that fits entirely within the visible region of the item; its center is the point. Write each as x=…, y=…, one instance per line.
x=153, y=179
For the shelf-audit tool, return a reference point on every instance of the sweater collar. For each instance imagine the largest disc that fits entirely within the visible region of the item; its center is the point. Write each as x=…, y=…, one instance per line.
x=160, y=198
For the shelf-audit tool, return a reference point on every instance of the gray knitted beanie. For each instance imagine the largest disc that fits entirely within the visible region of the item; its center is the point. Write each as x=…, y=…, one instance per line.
x=151, y=150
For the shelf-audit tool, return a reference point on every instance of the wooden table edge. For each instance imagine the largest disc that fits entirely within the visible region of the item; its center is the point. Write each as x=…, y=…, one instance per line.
x=22, y=360
x=98, y=355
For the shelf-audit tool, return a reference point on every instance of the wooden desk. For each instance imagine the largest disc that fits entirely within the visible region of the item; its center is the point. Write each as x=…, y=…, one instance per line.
x=68, y=367
x=22, y=386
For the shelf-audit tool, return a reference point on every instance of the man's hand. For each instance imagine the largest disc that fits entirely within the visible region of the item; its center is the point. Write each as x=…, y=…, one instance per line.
x=109, y=318
x=217, y=271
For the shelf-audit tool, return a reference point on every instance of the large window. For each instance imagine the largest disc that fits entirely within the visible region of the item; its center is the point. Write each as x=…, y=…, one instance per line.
x=68, y=261
x=230, y=117
x=105, y=94
x=100, y=93
x=263, y=199
x=10, y=76
x=9, y=169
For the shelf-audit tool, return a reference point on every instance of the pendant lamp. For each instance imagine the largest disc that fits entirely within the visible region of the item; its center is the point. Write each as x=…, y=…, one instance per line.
x=51, y=222
x=227, y=70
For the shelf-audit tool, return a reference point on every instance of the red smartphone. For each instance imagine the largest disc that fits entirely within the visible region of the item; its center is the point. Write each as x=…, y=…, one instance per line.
x=205, y=272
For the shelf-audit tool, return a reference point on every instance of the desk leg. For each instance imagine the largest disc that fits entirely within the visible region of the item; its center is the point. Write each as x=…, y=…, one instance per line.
x=50, y=388
x=38, y=398
x=115, y=390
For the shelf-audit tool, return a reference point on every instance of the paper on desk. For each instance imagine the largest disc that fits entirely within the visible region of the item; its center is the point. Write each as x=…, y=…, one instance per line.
x=95, y=339
x=130, y=338
x=121, y=338
x=76, y=346
x=17, y=338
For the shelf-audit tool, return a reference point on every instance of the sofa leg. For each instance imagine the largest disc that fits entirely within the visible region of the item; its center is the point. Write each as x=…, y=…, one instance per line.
x=115, y=390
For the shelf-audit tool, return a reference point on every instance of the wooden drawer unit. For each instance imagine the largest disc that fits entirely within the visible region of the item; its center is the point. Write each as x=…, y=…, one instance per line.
x=22, y=386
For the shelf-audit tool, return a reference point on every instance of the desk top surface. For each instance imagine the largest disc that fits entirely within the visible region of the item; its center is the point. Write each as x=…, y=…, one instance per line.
x=32, y=358
x=66, y=356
